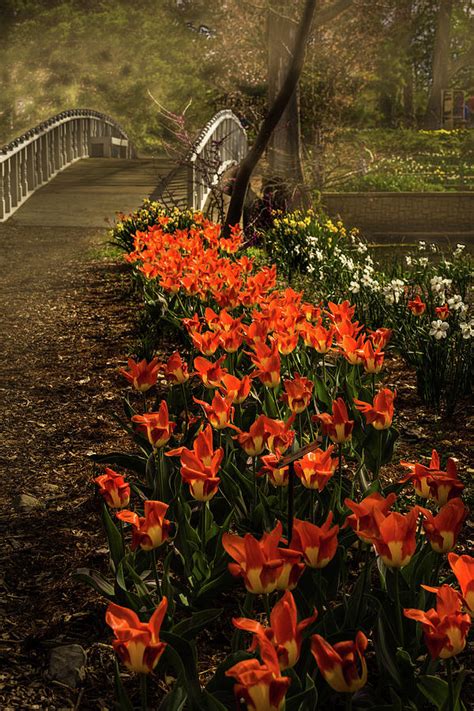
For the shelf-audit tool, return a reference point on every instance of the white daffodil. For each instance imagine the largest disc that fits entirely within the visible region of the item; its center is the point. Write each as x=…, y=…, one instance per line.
x=439, y=329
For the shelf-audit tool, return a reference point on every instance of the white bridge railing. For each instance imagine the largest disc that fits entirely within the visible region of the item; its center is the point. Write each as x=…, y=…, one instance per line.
x=34, y=158
x=221, y=144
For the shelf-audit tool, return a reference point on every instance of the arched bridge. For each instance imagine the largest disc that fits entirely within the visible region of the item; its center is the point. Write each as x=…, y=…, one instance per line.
x=79, y=168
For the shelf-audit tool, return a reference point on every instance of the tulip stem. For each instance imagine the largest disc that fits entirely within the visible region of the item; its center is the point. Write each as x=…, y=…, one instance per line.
x=267, y=606
x=186, y=414
x=144, y=691
x=155, y=572
x=379, y=454
x=449, y=669
x=396, y=572
x=291, y=495
x=339, y=464
x=348, y=703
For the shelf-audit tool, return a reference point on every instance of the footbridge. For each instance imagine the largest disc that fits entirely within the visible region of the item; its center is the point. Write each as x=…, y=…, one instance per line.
x=80, y=168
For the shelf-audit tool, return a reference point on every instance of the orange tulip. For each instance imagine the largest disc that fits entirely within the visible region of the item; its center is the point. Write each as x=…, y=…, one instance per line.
x=372, y=359
x=254, y=441
x=381, y=337
x=380, y=413
x=114, y=489
x=443, y=530
x=417, y=306
x=463, y=568
x=395, y=540
x=200, y=465
x=259, y=684
x=318, y=337
x=257, y=332
x=343, y=665
x=219, y=413
x=156, y=426
x=338, y=427
x=316, y=468
x=267, y=361
x=362, y=520
x=297, y=393
x=291, y=571
x=318, y=544
x=276, y=474
x=137, y=644
x=284, y=632
x=142, y=375
x=206, y=343
x=280, y=436
x=259, y=563
x=442, y=312
x=341, y=312
x=210, y=373
x=431, y=482
x=148, y=531
x=352, y=349
x=235, y=390
x=286, y=341
x=176, y=369
x=444, y=628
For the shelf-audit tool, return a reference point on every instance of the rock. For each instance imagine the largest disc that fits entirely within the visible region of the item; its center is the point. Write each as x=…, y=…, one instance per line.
x=27, y=502
x=67, y=664
x=50, y=488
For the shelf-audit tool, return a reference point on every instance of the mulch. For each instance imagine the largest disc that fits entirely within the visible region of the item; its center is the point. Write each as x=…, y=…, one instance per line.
x=68, y=324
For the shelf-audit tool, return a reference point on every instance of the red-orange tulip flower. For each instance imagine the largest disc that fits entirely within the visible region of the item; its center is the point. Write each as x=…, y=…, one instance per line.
x=280, y=436
x=152, y=529
x=318, y=337
x=206, y=343
x=297, y=393
x=463, y=568
x=176, y=369
x=286, y=341
x=276, y=474
x=395, y=541
x=155, y=425
x=284, y=632
x=444, y=628
x=316, y=468
x=219, y=413
x=381, y=337
x=338, y=427
x=257, y=332
x=291, y=571
x=200, y=465
x=254, y=441
x=318, y=544
x=266, y=359
x=114, y=489
x=143, y=375
x=259, y=563
x=352, y=349
x=432, y=483
x=210, y=373
x=362, y=520
x=260, y=684
x=373, y=359
x=343, y=665
x=442, y=312
x=137, y=644
x=341, y=312
x=380, y=413
x=417, y=306
x=443, y=530
x=235, y=390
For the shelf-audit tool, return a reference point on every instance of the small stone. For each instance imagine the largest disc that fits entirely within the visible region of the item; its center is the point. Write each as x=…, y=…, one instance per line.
x=27, y=502
x=51, y=488
x=67, y=664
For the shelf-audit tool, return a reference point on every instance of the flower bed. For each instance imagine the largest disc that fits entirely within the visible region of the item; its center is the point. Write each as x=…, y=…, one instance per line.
x=257, y=493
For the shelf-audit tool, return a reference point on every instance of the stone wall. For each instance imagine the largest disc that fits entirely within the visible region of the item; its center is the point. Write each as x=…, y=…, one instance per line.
x=399, y=213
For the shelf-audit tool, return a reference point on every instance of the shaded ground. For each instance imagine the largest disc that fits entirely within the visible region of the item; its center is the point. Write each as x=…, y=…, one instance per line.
x=65, y=324
x=67, y=320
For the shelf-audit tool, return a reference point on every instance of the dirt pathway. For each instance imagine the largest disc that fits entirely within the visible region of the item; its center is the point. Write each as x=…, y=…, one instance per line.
x=65, y=322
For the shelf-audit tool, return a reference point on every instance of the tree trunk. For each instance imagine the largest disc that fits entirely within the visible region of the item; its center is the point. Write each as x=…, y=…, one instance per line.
x=440, y=66
x=284, y=149
x=274, y=115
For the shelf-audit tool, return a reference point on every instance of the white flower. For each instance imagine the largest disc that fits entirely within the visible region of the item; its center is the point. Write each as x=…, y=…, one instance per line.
x=436, y=283
x=423, y=261
x=319, y=255
x=467, y=329
x=455, y=302
x=463, y=309
x=362, y=248
x=408, y=260
x=459, y=250
x=439, y=329
x=421, y=245
x=433, y=247
x=354, y=287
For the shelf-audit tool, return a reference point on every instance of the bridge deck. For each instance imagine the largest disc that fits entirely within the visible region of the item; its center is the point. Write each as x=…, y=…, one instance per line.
x=90, y=192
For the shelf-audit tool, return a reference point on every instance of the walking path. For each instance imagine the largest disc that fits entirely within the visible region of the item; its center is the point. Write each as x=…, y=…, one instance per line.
x=64, y=323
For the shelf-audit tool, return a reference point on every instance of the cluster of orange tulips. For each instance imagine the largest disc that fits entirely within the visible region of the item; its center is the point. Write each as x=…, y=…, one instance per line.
x=267, y=454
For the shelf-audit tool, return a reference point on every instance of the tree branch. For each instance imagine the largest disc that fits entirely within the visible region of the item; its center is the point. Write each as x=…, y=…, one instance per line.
x=271, y=120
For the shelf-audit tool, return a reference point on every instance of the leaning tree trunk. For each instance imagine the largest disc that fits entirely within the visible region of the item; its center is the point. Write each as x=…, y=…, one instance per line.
x=440, y=66
x=284, y=148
